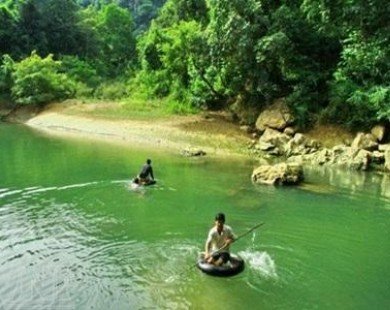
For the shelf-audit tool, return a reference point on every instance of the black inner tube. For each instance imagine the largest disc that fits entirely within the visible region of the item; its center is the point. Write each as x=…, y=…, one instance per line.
x=233, y=267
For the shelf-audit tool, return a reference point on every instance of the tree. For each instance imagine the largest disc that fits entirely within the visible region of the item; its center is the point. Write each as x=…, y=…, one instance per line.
x=115, y=27
x=61, y=25
x=171, y=50
x=235, y=29
x=8, y=30
x=359, y=90
x=31, y=28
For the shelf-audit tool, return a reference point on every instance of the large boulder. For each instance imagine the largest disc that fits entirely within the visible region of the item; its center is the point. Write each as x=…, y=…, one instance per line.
x=341, y=155
x=365, y=141
x=378, y=132
x=279, y=174
x=276, y=116
x=272, y=140
x=301, y=145
x=383, y=147
x=360, y=160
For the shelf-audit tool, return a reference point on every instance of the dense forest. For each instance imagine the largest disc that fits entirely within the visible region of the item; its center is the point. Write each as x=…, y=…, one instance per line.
x=329, y=59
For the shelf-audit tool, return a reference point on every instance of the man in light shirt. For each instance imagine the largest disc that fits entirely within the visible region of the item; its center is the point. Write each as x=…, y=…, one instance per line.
x=218, y=242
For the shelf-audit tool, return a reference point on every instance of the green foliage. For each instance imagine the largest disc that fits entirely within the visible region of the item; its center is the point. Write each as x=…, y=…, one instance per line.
x=60, y=24
x=379, y=97
x=175, y=11
x=38, y=81
x=6, y=69
x=83, y=73
x=361, y=82
x=114, y=27
x=324, y=57
x=183, y=107
x=206, y=89
x=8, y=28
x=111, y=90
x=235, y=28
x=143, y=11
x=149, y=84
x=168, y=56
x=31, y=28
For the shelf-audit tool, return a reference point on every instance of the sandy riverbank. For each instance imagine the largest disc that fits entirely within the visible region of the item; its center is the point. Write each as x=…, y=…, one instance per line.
x=210, y=132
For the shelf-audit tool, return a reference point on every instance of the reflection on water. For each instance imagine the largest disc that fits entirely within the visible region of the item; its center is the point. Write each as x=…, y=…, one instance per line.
x=385, y=186
x=354, y=182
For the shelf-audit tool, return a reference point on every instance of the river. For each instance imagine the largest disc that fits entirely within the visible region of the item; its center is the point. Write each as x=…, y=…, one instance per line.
x=74, y=235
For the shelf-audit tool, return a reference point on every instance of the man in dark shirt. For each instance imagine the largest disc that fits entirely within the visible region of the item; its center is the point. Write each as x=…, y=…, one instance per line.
x=146, y=174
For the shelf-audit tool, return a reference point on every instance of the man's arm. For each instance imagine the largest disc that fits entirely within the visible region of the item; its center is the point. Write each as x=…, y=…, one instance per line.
x=208, y=245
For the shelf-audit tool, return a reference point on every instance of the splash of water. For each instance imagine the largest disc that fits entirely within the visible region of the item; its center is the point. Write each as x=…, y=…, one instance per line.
x=260, y=262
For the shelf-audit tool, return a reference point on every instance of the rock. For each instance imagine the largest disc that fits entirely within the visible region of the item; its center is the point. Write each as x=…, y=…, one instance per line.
x=279, y=174
x=378, y=132
x=300, y=145
x=265, y=146
x=339, y=149
x=363, y=153
x=361, y=160
x=290, y=131
x=365, y=141
x=271, y=139
x=324, y=156
x=245, y=128
x=356, y=159
x=377, y=157
x=383, y=147
x=190, y=152
x=276, y=116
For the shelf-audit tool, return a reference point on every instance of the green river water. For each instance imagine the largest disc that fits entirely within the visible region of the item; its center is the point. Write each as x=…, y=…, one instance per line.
x=73, y=235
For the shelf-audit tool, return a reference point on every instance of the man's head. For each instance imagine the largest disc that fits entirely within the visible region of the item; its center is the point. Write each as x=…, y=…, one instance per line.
x=219, y=221
x=220, y=217
x=148, y=161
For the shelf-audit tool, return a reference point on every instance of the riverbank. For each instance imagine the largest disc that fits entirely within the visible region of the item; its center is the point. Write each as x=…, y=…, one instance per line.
x=210, y=132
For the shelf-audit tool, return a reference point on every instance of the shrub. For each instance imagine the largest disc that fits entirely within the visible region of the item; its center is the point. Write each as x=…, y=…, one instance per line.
x=6, y=70
x=38, y=81
x=111, y=90
x=82, y=73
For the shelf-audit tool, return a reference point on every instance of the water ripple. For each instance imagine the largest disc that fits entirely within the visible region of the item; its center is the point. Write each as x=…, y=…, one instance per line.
x=260, y=262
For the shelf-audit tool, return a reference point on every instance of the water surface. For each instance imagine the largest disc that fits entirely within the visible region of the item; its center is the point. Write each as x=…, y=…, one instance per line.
x=73, y=235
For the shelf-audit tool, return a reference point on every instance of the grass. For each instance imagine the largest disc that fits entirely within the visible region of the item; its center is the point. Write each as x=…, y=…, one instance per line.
x=133, y=108
x=330, y=135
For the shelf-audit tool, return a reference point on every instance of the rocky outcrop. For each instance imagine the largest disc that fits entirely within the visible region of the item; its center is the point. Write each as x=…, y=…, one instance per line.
x=273, y=141
x=279, y=174
x=378, y=132
x=364, y=153
x=365, y=141
x=277, y=116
